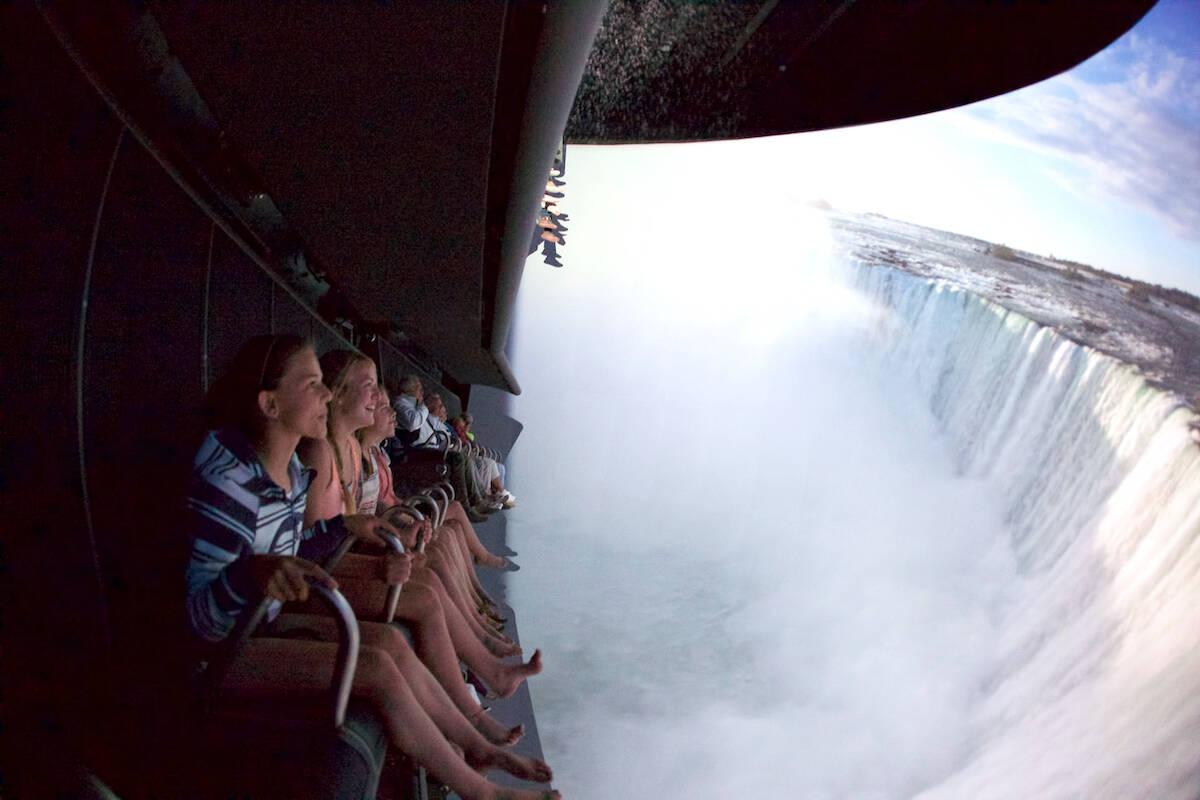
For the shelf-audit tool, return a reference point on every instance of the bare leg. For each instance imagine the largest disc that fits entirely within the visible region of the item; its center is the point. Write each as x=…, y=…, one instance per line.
x=284, y=668
x=456, y=535
x=497, y=643
x=416, y=671
x=462, y=569
x=440, y=566
x=420, y=606
x=479, y=752
x=502, y=678
x=479, y=553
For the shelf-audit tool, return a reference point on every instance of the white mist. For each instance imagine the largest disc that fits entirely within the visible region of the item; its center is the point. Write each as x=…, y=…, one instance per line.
x=770, y=549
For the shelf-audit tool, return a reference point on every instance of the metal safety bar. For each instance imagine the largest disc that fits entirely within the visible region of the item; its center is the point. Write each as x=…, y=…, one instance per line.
x=424, y=499
x=347, y=654
x=443, y=503
x=439, y=440
x=393, y=596
x=410, y=508
x=338, y=554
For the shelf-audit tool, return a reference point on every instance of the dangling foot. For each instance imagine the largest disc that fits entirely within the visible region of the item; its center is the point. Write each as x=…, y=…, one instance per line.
x=494, y=732
x=523, y=767
x=489, y=610
x=494, y=561
x=484, y=599
x=502, y=649
x=489, y=623
x=499, y=636
x=509, y=677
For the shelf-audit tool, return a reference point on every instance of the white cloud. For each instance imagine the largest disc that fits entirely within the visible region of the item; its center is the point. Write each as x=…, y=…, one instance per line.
x=1136, y=137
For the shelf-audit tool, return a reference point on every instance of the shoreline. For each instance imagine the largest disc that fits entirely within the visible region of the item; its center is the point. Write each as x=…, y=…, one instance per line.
x=1159, y=338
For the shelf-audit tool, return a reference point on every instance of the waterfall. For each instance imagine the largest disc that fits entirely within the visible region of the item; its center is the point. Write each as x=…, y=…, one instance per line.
x=1097, y=689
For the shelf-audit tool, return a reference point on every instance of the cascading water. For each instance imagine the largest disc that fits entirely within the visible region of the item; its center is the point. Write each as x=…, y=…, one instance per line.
x=797, y=527
x=1097, y=689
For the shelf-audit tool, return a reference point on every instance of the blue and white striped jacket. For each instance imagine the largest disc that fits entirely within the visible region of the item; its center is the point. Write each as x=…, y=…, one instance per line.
x=235, y=510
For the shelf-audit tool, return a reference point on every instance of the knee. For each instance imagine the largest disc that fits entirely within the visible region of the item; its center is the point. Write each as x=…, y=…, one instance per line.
x=422, y=600
x=384, y=637
x=376, y=674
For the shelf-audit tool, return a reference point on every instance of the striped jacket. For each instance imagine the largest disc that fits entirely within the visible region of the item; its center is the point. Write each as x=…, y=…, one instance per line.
x=235, y=510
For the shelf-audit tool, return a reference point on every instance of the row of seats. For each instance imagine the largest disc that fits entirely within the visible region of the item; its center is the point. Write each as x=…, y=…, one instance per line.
x=388, y=572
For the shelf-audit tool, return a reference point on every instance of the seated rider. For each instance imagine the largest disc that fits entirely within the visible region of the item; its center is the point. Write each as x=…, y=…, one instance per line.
x=246, y=507
x=415, y=435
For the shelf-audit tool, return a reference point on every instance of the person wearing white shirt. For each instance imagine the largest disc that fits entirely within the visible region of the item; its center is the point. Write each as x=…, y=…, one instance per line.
x=412, y=416
x=415, y=431
x=484, y=470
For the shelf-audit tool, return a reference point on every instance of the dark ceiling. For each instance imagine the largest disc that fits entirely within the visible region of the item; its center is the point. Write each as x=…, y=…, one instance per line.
x=405, y=144
x=370, y=125
x=673, y=70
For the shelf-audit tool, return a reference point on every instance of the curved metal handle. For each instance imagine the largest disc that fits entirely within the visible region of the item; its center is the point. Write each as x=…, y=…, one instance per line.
x=410, y=506
x=393, y=595
x=425, y=499
x=387, y=514
x=449, y=489
x=347, y=654
x=241, y=632
x=443, y=503
x=422, y=499
x=339, y=553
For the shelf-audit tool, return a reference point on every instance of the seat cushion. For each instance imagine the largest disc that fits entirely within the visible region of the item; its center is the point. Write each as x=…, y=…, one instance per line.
x=265, y=748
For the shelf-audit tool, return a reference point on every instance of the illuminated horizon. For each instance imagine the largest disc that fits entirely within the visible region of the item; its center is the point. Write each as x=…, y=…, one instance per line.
x=1099, y=165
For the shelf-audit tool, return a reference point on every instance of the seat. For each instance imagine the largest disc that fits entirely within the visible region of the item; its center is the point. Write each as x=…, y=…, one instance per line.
x=326, y=747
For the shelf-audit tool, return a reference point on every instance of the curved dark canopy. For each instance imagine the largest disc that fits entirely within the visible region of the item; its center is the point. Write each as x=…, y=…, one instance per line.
x=680, y=70
x=400, y=149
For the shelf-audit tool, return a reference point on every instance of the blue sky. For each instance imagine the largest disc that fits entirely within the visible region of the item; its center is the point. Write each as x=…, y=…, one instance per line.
x=1100, y=164
x=1109, y=153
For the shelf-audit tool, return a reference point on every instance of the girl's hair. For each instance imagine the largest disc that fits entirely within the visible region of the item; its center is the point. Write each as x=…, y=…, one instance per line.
x=360, y=434
x=335, y=366
x=232, y=401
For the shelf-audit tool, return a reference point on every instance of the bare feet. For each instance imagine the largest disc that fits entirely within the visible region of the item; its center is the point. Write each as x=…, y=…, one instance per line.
x=509, y=676
x=489, y=612
x=484, y=597
x=492, y=560
x=494, y=732
x=502, y=649
x=523, y=767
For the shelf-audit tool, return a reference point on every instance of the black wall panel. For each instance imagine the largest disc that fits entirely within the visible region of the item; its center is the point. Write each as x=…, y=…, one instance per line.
x=291, y=316
x=394, y=366
x=57, y=139
x=108, y=353
x=239, y=302
x=143, y=376
x=325, y=339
